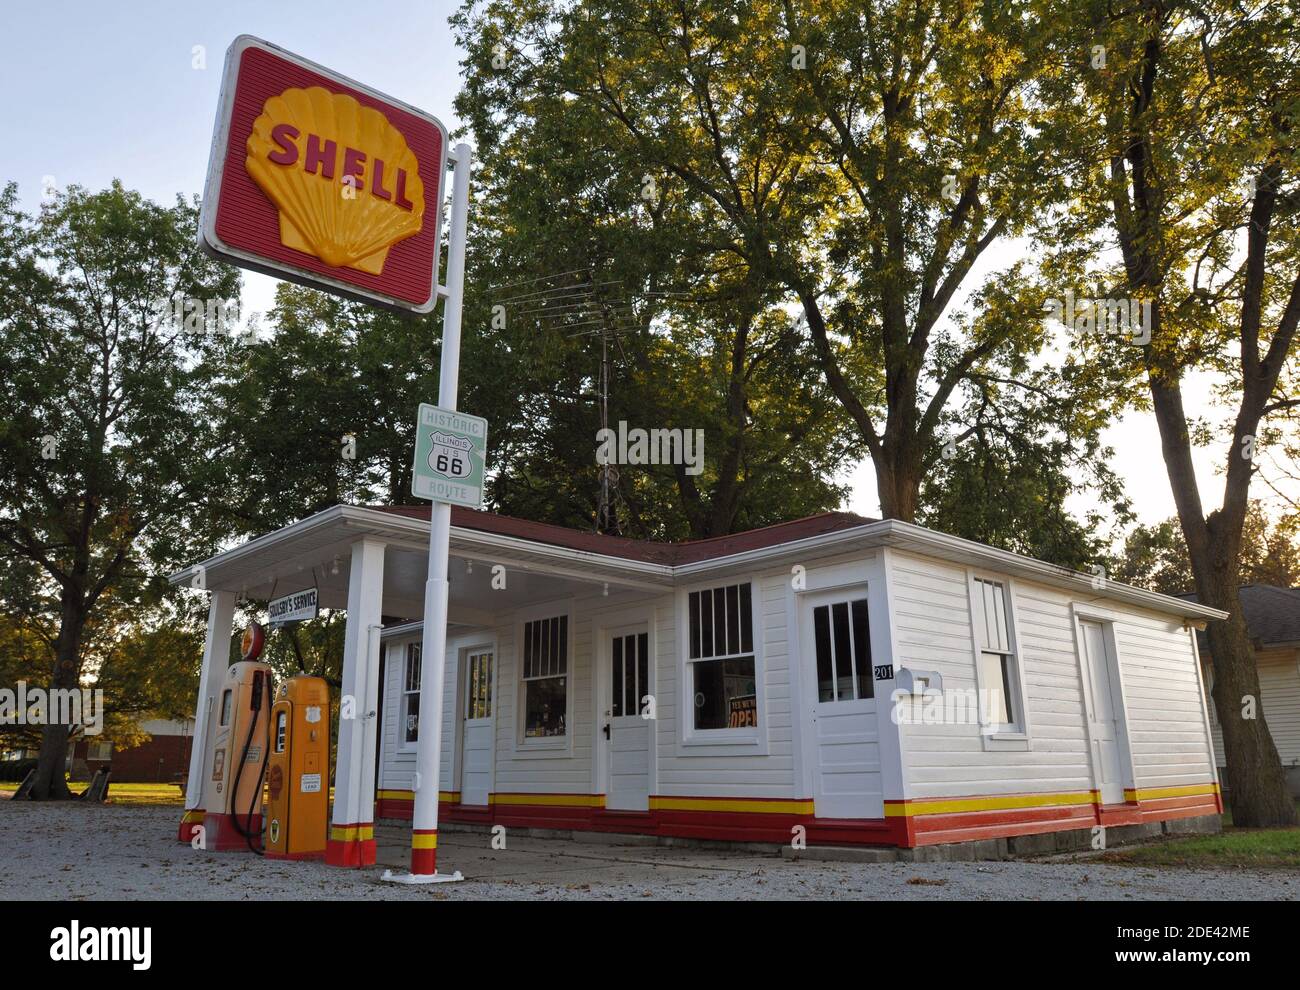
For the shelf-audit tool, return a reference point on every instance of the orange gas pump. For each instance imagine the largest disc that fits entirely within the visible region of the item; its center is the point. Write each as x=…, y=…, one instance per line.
x=298, y=775
x=236, y=758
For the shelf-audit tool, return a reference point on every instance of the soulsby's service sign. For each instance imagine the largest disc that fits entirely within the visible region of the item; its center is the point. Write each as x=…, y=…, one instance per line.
x=320, y=180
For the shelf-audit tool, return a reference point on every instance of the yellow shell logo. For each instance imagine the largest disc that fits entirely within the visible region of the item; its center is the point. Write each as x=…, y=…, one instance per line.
x=346, y=185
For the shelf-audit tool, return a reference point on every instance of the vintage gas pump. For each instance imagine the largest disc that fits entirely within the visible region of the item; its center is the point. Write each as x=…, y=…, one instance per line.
x=236, y=748
x=298, y=776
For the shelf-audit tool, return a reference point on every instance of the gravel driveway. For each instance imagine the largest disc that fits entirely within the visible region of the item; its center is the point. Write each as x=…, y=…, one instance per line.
x=85, y=852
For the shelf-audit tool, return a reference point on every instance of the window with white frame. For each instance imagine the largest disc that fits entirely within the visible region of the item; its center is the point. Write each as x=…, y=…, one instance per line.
x=411, y=694
x=997, y=657
x=545, y=677
x=720, y=657
x=842, y=639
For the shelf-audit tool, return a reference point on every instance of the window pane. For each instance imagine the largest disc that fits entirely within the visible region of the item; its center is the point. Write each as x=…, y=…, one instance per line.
x=997, y=684
x=1000, y=615
x=630, y=706
x=411, y=718
x=822, y=638
x=725, y=693
x=487, y=686
x=843, y=652
x=544, y=703
x=642, y=669
x=529, y=630
x=862, y=649
x=563, y=667
x=471, y=708
x=706, y=624
x=693, y=620
x=733, y=619
x=993, y=624
x=412, y=667
x=555, y=646
x=746, y=621
x=719, y=622
x=618, y=676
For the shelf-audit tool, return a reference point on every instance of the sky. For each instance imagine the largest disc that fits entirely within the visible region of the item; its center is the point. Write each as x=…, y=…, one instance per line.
x=97, y=91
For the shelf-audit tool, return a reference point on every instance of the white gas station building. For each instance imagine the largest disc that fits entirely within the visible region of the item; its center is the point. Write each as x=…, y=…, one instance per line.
x=847, y=680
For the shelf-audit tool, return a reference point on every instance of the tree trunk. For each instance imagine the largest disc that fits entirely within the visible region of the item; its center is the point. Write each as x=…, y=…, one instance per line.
x=1256, y=783
x=898, y=480
x=50, y=784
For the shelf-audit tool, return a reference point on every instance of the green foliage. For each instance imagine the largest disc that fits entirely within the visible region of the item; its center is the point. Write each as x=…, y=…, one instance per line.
x=706, y=342
x=319, y=409
x=1155, y=556
x=853, y=161
x=107, y=440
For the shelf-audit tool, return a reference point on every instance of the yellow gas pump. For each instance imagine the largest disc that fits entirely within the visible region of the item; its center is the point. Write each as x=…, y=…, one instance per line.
x=236, y=758
x=298, y=775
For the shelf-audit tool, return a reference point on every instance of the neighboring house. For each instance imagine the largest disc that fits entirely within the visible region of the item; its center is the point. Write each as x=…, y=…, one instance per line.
x=874, y=682
x=1273, y=623
x=163, y=759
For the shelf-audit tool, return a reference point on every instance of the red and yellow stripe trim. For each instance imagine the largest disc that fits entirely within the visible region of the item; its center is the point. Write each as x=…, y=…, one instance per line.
x=351, y=844
x=191, y=820
x=444, y=797
x=424, y=851
x=511, y=799
x=907, y=822
x=957, y=806
x=1160, y=793
x=734, y=806
x=424, y=838
x=352, y=833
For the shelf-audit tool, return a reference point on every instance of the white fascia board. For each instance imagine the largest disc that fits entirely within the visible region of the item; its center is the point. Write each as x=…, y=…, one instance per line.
x=413, y=533
x=650, y=576
x=906, y=536
x=474, y=542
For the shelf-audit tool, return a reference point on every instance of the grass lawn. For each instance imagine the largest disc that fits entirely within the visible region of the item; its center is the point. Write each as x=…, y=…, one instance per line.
x=1233, y=848
x=166, y=794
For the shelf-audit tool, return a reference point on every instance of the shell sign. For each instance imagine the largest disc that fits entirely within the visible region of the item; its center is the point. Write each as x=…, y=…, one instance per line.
x=320, y=180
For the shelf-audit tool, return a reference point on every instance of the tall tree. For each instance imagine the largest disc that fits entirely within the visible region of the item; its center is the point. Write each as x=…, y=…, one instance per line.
x=861, y=157
x=1194, y=168
x=702, y=344
x=106, y=439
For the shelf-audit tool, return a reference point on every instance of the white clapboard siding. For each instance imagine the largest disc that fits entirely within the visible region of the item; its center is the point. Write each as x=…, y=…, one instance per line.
x=933, y=632
x=567, y=771
x=1279, y=695
x=742, y=774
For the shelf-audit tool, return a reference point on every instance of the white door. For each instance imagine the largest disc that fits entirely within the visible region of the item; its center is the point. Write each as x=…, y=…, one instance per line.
x=628, y=735
x=1106, y=713
x=836, y=660
x=477, y=728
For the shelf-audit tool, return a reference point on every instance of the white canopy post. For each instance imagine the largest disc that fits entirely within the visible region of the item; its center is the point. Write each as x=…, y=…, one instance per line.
x=216, y=654
x=351, y=839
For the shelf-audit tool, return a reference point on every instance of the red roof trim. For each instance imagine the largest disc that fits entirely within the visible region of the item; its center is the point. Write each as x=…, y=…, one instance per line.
x=668, y=554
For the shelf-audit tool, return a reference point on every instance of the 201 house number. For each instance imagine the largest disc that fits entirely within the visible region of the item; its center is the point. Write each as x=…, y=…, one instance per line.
x=885, y=672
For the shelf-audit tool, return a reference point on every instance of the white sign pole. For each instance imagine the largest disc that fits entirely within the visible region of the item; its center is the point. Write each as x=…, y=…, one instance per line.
x=433, y=665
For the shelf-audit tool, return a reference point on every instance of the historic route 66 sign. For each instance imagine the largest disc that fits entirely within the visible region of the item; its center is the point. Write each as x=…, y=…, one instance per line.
x=450, y=450
x=450, y=456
